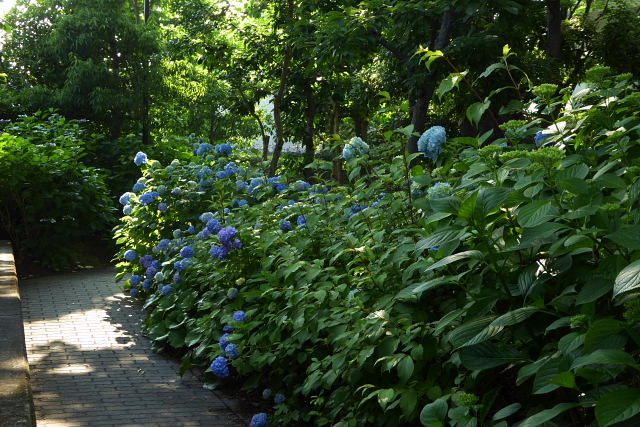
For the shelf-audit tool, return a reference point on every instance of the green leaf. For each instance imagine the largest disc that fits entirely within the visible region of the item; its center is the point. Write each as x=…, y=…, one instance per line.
x=490, y=69
x=454, y=258
x=463, y=333
x=405, y=369
x=595, y=288
x=609, y=180
x=419, y=288
x=507, y=411
x=488, y=355
x=450, y=82
x=565, y=379
x=439, y=237
x=475, y=111
x=605, y=357
x=535, y=213
x=617, y=406
x=628, y=279
x=515, y=316
x=546, y=415
x=600, y=331
x=547, y=372
x=386, y=396
x=434, y=414
x=408, y=402
x=490, y=199
x=627, y=237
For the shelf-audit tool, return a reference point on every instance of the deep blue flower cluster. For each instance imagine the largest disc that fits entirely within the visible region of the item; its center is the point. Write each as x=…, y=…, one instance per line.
x=232, y=351
x=167, y=289
x=239, y=316
x=227, y=328
x=182, y=264
x=228, y=240
x=431, y=141
x=259, y=420
x=203, y=148
x=135, y=279
x=279, y=399
x=285, y=225
x=133, y=292
x=301, y=186
x=239, y=203
x=163, y=207
x=214, y=226
x=147, y=284
x=138, y=187
x=224, y=149
x=140, y=159
x=146, y=261
x=302, y=220
x=187, y=252
x=148, y=198
x=220, y=367
x=130, y=255
x=226, y=235
x=224, y=341
x=163, y=244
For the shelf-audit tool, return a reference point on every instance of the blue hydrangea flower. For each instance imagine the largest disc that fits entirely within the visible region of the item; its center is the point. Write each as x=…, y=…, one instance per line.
x=259, y=420
x=127, y=210
x=138, y=187
x=222, y=175
x=285, y=225
x=231, y=168
x=274, y=179
x=266, y=394
x=214, y=226
x=220, y=252
x=540, y=136
x=301, y=186
x=148, y=198
x=232, y=351
x=239, y=316
x=279, y=186
x=177, y=233
x=125, y=198
x=140, y=159
x=135, y=279
x=224, y=341
x=254, y=183
x=239, y=203
x=356, y=147
x=164, y=244
x=182, y=264
x=227, y=328
x=226, y=235
x=191, y=229
x=206, y=217
x=431, y=141
x=167, y=289
x=146, y=261
x=156, y=264
x=162, y=207
x=205, y=233
x=220, y=367
x=302, y=220
x=226, y=210
x=203, y=148
x=146, y=284
x=224, y=149
x=151, y=271
x=439, y=190
x=133, y=292
x=130, y=255
x=279, y=399
x=187, y=252
x=159, y=277
x=241, y=186
x=232, y=293
x=176, y=191
x=347, y=152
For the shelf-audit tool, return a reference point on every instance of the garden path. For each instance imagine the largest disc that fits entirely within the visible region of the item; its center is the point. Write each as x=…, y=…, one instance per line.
x=91, y=367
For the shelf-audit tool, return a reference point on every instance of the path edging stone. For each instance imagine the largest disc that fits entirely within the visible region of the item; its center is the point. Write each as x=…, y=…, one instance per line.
x=16, y=401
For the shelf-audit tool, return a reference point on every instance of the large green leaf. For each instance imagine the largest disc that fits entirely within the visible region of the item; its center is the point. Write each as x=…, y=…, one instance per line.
x=475, y=111
x=628, y=279
x=488, y=355
x=542, y=417
x=627, y=237
x=515, y=316
x=506, y=411
x=601, y=331
x=617, y=406
x=418, y=288
x=454, y=258
x=463, y=333
x=594, y=288
x=490, y=199
x=439, y=237
x=605, y=357
x=434, y=414
x=535, y=213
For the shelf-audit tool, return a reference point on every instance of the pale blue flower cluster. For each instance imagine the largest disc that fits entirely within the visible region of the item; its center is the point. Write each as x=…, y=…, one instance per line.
x=431, y=141
x=138, y=187
x=224, y=149
x=148, y=198
x=125, y=198
x=130, y=255
x=140, y=159
x=203, y=148
x=356, y=147
x=439, y=190
x=167, y=289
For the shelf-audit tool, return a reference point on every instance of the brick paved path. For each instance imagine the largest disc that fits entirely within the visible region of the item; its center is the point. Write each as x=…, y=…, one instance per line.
x=90, y=367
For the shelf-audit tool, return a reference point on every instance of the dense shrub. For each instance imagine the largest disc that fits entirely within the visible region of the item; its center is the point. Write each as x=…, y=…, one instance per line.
x=487, y=286
x=50, y=199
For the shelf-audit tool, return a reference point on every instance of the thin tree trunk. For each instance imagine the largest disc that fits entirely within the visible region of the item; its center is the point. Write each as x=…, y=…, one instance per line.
x=361, y=126
x=309, y=150
x=554, y=29
x=334, y=123
x=146, y=100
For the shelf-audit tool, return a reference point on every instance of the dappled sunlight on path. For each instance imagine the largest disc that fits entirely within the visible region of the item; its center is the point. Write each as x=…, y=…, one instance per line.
x=90, y=366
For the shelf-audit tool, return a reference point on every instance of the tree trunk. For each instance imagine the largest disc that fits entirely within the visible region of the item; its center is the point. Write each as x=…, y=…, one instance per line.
x=309, y=150
x=334, y=123
x=554, y=29
x=425, y=90
x=277, y=99
x=146, y=101
x=361, y=126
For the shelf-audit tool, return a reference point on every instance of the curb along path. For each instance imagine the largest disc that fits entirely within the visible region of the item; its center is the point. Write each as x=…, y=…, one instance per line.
x=91, y=367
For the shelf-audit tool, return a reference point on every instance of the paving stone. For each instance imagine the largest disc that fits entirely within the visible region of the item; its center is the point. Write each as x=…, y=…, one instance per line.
x=85, y=349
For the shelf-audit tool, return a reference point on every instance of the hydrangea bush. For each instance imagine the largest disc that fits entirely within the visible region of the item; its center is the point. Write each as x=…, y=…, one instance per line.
x=488, y=286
